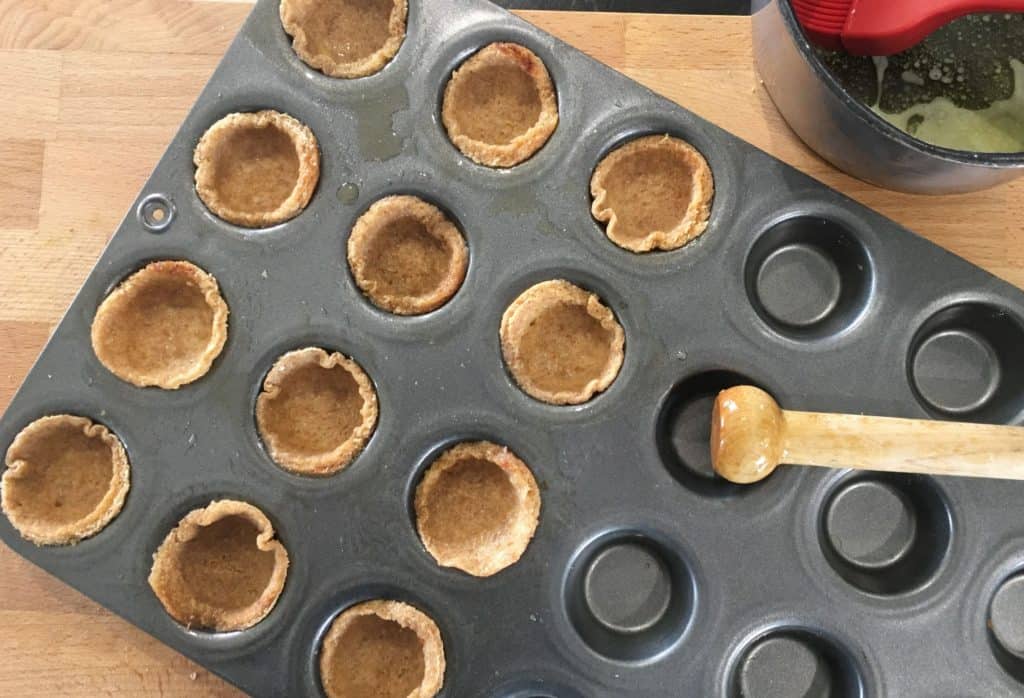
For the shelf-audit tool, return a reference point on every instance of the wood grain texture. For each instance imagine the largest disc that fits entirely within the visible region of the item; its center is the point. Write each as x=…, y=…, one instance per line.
x=751, y=436
x=93, y=93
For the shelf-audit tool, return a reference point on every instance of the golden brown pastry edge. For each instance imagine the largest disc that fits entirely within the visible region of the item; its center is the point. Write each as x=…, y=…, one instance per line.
x=517, y=319
x=328, y=65
x=437, y=224
x=207, y=283
x=306, y=148
x=524, y=146
x=339, y=458
x=105, y=511
x=498, y=554
x=698, y=212
x=407, y=616
x=163, y=573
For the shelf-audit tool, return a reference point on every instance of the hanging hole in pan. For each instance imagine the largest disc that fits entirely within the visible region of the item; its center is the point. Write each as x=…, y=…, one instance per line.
x=155, y=213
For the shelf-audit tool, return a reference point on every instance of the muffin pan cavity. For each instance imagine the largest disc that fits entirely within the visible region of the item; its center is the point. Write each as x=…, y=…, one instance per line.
x=500, y=107
x=653, y=193
x=795, y=661
x=629, y=596
x=316, y=411
x=66, y=479
x=886, y=534
x=965, y=363
x=163, y=326
x=345, y=38
x=413, y=264
x=1005, y=624
x=257, y=169
x=683, y=434
x=809, y=277
x=382, y=649
x=561, y=344
x=407, y=256
x=477, y=508
x=221, y=568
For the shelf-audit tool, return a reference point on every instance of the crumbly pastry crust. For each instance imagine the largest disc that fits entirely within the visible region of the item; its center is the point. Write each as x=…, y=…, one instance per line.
x=209, y=150
x=326, y=463
x=524, y=311
x=406, y=616
x=115, y=312
x=374, y=222
x=526, y=144
x=295, y=17
x=692, y=222
x=500, y=550
x=22, y=466
x=172, y=589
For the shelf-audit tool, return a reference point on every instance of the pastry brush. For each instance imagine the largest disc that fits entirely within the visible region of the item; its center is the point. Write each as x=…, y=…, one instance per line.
x=884, y=27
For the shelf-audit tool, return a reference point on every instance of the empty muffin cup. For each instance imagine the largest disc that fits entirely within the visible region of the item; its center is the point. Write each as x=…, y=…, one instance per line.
x=500, y=107
x=316, y=411
x=477, y=508
x=382, y=649
x=220, y=568
x=796, y=661
x=257, y=169
x=809, y=277
x=562, y=345
x=629, y=594
x=964, y=363
x=407, y=256
x=653, y=193
x=345, y=38
x=886, y=533
x=66, y=479
x=163, y=326
x=1005, y=625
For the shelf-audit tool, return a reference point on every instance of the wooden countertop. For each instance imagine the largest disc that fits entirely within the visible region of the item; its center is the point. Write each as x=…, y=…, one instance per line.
x=93, y=92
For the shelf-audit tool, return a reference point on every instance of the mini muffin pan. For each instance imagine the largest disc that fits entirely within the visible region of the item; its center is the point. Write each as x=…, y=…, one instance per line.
x=646, y=576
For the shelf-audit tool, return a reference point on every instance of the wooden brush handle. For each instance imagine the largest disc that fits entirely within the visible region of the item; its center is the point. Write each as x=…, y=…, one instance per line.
x=903, y=445
x=751, y=436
